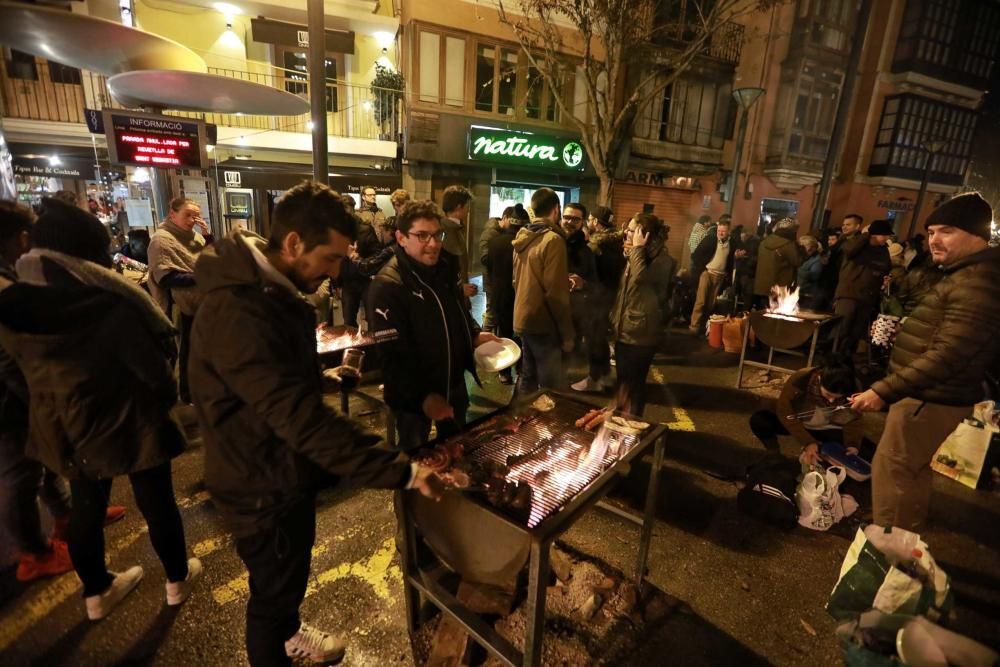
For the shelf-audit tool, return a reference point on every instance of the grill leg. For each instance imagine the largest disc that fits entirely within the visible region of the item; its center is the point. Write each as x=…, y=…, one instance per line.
x=345, y=402
x=538, y=575
x=406, y=535
x=743, y=357
x=812, y=348
x=648, y=518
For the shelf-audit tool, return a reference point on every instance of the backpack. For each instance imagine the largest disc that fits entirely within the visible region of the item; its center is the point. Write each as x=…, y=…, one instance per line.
x=768, y=493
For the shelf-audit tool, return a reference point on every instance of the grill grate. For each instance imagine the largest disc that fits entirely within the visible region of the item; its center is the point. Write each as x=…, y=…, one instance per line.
x=548, y=453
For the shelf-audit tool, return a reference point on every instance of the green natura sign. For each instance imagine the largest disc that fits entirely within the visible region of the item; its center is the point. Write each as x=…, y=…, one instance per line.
x=487, y=144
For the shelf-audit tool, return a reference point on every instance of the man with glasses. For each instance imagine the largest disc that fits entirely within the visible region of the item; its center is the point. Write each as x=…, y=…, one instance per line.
x=369, y=212
x=415, y=294
x=580, y=263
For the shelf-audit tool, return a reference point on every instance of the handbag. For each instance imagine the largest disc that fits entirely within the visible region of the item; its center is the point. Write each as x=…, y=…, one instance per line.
x=820, y=502
x=971, y=451
x=884, y=330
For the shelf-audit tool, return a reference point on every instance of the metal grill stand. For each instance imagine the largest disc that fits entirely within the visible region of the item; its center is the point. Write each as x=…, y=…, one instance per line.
x=420, y=582
x=782, y=334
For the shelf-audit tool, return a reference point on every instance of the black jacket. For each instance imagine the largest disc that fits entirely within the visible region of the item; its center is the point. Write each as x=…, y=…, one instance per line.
x=705, y=251
x=580, y=261
x=608, y=248
x=863, y=269
x=499, y=263
x=747, y=265
x=270, y=440
x=100, y=380
x=427, y=309
x=13, y=390
x=945, y=347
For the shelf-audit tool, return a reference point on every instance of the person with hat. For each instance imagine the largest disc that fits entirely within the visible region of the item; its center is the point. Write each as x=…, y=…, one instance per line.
x=938, y=365
x=865, y=265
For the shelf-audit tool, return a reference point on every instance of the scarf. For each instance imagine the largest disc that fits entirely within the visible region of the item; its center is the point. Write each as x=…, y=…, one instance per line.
x=31, y=271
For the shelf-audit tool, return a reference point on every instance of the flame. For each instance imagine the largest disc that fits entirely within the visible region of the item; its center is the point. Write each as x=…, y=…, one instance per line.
x=327, y=340
x=784, y=301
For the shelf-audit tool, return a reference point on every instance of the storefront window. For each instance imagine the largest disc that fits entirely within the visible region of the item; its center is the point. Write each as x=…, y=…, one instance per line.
x=504, y=195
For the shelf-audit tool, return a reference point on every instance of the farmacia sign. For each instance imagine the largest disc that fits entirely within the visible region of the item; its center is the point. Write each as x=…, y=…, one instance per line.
x=487, y=144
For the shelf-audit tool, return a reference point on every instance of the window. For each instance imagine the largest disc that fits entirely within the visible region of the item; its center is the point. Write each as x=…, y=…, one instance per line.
x=955, y=40
x=63, y=74
x=22, y=66
x=434, y=85
x=496, y=79
x=815, y=106
x=430, y=66
x=831, y=22
x=538, y=101
x=909, y=125
x=296, y=66
x=692, y=112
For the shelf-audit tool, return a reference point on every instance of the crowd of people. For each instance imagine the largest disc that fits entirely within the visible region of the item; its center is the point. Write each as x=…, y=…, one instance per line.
x=559, y=279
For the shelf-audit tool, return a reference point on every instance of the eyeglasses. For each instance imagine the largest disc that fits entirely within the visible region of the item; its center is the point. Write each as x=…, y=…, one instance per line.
x=425, y=237
x=572, y=218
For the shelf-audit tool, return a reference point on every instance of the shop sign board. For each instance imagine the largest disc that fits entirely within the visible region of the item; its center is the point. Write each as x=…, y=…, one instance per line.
x=900, y=205
x=151, y=140
x=660, y=180
x=43, y=167
x=231, y=179
x=488, y=144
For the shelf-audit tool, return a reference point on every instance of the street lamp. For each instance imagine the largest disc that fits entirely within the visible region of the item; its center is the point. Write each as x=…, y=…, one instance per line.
x=745, y=97
x=932, y=147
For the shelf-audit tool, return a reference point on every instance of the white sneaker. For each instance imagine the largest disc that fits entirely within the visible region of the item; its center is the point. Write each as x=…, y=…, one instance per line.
x=178, y=591
x=587, y=384
x=99, y=606
x=314, y=645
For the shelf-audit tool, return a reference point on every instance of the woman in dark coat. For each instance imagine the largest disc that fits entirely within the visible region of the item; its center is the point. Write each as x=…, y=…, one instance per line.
x=97, y=355
x=642, y=308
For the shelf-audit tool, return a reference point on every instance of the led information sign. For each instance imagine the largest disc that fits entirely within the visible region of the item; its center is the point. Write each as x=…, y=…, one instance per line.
x=155, y=141
x=487, y=144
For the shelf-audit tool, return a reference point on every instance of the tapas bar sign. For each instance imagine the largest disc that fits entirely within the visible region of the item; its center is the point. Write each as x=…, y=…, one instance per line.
x=150, y=140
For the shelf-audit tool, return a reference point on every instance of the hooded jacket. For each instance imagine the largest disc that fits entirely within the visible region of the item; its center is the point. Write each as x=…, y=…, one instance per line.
x=499, y=263
x=270, y=440
x=436, y=332
x=97, y=359
x=642, y=307
x=541, y=283
x=608, y=247
x=777, y=263
x=951, y=339
x=864, y=266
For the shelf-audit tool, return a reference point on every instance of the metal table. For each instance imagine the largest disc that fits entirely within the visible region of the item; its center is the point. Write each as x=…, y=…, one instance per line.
x=428, y=583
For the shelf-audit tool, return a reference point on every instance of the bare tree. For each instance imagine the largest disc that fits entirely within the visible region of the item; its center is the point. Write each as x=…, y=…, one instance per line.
x=628, y=52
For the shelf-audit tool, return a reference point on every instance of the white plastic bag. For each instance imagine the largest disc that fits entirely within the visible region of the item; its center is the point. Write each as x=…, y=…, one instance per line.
x=820, y=503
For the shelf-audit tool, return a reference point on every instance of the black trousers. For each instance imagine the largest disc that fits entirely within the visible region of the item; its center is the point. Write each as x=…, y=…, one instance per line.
x=154, y=494
x=182, y=362
x=766, y=425
x=278, y=560
x=855, y=319
x=632, y=364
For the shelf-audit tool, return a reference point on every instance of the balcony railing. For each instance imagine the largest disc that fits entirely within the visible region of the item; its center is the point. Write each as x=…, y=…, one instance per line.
x=50, y=92
x=724, y=44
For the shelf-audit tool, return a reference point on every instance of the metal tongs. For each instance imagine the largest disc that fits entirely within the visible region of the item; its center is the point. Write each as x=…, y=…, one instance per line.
x=809, y=414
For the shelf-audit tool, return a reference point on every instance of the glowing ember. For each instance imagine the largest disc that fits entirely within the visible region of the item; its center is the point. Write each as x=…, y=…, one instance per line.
x=335, y=339
x=784, y=301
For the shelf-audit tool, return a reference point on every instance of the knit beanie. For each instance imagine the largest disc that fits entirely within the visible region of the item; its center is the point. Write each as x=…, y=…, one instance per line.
x=880, y=228
x=604, y=216
x=72, y=231
x=968, y=212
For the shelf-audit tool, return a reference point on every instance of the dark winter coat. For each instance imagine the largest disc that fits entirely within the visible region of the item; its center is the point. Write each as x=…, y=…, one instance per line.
x=946, y=345
x=580, y=261
x=100, y=381
x=642, y=307
x=777, y=262
x=13, y=390
x=609, y=259
x=436, y=331
x=270, y=440
x=915, y=285
x=705, y=251
x=747, y=265
x=499, y=265
x=863, y=270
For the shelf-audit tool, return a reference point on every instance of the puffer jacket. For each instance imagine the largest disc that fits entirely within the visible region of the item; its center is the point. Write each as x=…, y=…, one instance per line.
x=777, y=263
x=863, y=270
x=946, y=345
x=270, y=440
x=541, y=283
x=642, y=306
x=427, y=311
x=100, y=380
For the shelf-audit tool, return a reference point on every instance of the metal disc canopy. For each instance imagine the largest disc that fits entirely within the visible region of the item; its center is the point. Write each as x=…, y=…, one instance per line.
x=90, y=43
x=193, y=91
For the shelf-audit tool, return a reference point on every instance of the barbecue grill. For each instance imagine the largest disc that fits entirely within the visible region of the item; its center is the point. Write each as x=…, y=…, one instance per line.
x=782, y=333
x=487, y=535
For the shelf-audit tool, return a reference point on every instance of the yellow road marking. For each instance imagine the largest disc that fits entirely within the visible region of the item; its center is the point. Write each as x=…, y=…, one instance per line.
x=377, y=570
x=238, y=588
x=196, y=499
x=209, y=546
x=682, y=420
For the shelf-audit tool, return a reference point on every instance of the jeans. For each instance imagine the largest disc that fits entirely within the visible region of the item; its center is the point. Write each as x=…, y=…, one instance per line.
x=154, y=494
x=413, y=430
x=22, y=482
x=541, y=363
x=278, y=561
x=632, y=363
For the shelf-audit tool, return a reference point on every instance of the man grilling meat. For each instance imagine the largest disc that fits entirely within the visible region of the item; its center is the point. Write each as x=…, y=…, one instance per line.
x=416, y=294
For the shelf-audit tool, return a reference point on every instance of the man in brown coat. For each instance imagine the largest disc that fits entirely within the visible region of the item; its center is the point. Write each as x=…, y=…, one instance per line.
x=777, y=260
x=542, y=316
x=939, y=361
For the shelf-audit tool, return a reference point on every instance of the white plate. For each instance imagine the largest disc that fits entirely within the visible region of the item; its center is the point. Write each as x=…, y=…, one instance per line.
x=497, y=355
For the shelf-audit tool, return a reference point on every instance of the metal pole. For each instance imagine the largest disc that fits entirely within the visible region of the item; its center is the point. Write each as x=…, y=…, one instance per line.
x=843, y=108
x=922, y=192
x=735, y=178
x=317, y=89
